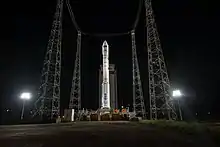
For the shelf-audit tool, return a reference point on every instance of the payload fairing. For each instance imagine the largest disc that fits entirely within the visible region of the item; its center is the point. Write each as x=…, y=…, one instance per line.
x=105, y=81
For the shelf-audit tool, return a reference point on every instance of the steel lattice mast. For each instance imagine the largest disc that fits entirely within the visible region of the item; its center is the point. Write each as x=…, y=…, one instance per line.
x=75, y=97
x=160, y=101
x=138, y=100
x=48, y=103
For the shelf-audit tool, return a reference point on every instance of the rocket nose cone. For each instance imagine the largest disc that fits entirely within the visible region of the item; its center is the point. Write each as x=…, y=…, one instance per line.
x=105, y=44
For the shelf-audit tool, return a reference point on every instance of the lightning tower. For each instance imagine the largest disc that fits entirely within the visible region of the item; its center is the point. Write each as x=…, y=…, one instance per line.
x=161, y=105
x=75, y=97
x=48, y=102
x=138, y=100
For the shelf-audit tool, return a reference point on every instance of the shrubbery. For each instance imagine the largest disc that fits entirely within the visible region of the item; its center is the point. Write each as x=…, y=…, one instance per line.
x=84, y=118
x=134, y=119
x=94, y=117
x=116, y=117
x=105, y=117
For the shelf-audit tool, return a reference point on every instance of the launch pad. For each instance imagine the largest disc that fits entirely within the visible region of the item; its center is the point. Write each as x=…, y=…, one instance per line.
x=101, y=114
x=160, y=102
x=108, y=104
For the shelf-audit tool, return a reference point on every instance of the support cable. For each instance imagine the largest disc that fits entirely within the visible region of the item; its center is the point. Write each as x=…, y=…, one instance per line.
x=138, y=15
x=104, y=34
x=72, y=16
x=108, y=34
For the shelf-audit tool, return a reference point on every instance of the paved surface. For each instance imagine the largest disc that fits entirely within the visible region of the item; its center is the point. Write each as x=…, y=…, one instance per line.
x=105, y=134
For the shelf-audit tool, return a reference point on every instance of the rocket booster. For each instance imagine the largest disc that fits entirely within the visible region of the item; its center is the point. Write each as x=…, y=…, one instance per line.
x=105, y=81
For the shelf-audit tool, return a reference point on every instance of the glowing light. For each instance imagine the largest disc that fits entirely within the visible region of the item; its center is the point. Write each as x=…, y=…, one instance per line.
x=177, y=93
x=72, y=116
x=25, y=96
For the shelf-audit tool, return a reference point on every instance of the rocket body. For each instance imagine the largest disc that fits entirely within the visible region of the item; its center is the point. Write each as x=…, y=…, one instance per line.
x=105, y=81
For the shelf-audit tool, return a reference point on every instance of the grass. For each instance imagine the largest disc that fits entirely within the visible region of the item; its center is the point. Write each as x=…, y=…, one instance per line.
x=158, y=133
x=184, y=127
x=187, y=128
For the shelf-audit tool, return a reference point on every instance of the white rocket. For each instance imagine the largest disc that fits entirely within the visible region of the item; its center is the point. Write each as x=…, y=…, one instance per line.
x=105, y=81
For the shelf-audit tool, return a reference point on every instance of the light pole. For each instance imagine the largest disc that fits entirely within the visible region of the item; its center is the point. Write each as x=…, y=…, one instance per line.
x=177, y=94
x=24, y=96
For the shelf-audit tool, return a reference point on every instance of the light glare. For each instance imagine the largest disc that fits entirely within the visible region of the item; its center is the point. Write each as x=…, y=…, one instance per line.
x=177, y=93
x=26, y=96
x=72, y=115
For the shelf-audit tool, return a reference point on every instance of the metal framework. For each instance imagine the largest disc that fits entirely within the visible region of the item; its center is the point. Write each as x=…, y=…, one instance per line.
x=75, y=97
x=48, y=102
x=138, y=100
x=161, y=105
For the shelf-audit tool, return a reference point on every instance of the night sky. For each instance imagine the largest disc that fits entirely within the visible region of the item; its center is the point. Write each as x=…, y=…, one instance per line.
x=189, y=32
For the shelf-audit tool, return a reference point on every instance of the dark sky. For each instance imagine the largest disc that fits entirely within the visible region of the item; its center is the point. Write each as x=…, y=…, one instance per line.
x=189, y=32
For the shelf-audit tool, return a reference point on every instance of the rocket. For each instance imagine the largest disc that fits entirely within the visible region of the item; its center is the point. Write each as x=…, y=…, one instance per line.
x=105, y=81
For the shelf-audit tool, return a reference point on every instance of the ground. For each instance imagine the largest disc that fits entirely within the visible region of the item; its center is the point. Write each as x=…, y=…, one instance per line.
x=109, y=134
